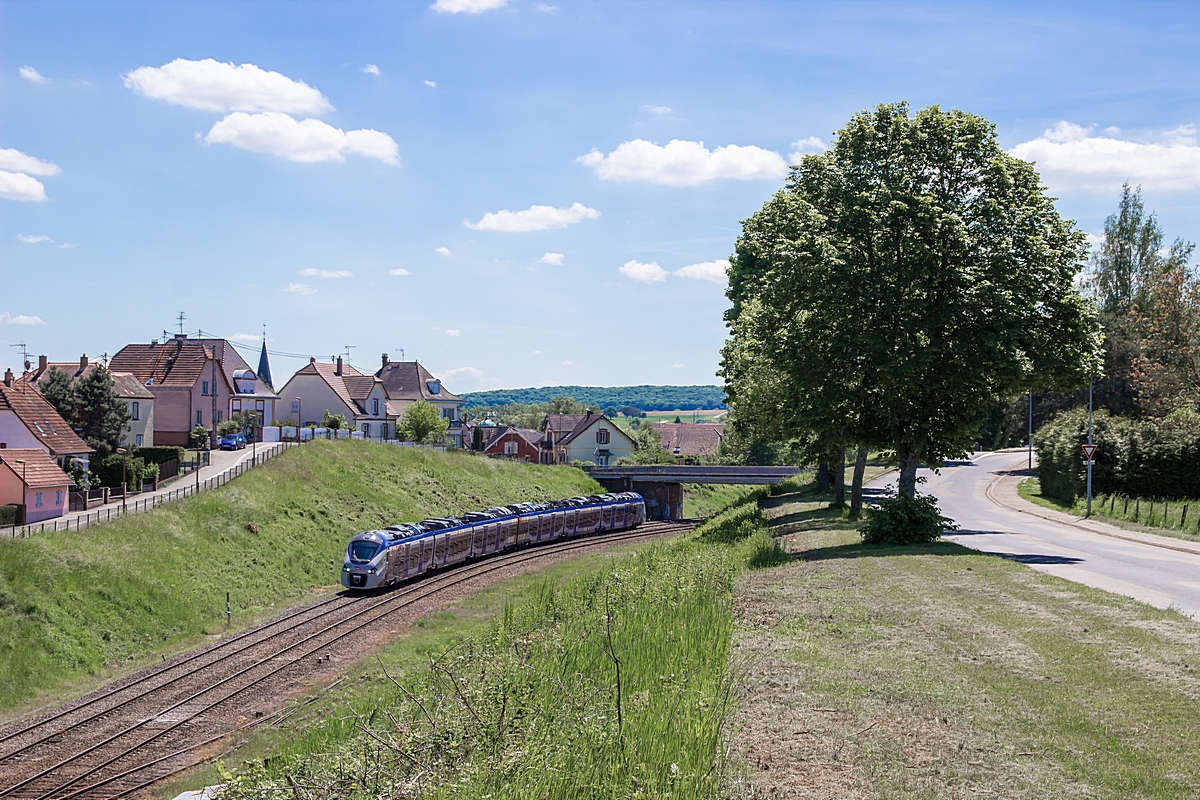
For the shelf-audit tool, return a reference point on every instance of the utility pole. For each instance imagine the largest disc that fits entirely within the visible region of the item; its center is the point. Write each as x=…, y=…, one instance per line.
x=1091, y=459
x=213, y=439
x=1031, y=430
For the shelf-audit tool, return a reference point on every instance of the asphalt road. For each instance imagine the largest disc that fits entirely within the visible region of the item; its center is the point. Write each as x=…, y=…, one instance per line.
x=980, y=495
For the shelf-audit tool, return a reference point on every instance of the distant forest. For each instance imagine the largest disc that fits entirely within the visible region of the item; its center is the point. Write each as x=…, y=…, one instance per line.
x=647, y=398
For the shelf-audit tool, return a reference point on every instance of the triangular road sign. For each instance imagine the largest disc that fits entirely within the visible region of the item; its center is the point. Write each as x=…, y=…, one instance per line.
x=1089, y=451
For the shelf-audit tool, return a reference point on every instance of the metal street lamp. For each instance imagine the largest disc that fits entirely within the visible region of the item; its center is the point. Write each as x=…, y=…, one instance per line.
x=24, y=491
x=121, y=451
x=299, y=419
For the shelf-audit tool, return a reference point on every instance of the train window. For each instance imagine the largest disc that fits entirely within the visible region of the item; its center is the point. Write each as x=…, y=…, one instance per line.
x=363, y=551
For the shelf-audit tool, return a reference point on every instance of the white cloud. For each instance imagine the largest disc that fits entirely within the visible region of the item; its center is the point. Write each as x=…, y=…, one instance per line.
x=1069, y=156
x=326, y=273
x=537, y=352
x=399, y=271
x=683, y=163
x=19, y=186
x=705, y=271
x=534, y=218
x=244, y=337
x=307, y=141
x=806, y=146
x=552, y=258
x=300, y=288
x=371, y=69
x=443, y=250
x=453, y=331
x=568, y=363
x=644, y=273
x=66, y=246
x=215, y=86
x=431, y=84
x=20, y=319
x=678, y=366
x=31, y=74
x=33, y=239
x=16, y=161
x=467, y=6
x=657, y=109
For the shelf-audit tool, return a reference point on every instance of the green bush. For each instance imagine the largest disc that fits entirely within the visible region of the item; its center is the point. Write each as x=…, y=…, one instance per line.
x=905, y=520
x=8, y=514
x=109, y=472
x=161, y=455
x=1137, y=458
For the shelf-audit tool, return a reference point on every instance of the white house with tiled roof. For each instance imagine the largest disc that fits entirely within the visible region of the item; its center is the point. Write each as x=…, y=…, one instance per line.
x=594, y=438
x=139, y=401
x=339, y=389
x=28, y=420
x=407, y=382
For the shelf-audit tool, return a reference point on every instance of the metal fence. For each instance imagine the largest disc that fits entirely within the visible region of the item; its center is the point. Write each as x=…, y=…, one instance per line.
x=116, y=510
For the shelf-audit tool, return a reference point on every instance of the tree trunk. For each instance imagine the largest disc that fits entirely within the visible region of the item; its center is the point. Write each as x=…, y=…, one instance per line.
x=856, y=487
x=907, y=484
x=839, y=479
x=823, y=477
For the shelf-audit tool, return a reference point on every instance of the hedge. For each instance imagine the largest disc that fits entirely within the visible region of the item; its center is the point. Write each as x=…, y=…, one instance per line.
x=1136, y=458
x=161, y=455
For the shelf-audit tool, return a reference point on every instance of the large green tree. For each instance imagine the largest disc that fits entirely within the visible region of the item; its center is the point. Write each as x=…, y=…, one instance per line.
x=422, y=422
x=101, y=415
x=905, y=282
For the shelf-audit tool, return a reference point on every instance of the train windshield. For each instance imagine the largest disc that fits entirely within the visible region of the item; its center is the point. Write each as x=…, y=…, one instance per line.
x=363, y=551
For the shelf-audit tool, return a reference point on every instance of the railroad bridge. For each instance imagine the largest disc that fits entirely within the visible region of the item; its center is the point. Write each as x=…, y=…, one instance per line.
x=662, y=486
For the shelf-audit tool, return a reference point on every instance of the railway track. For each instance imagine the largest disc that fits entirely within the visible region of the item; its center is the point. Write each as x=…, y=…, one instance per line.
x=138, y=731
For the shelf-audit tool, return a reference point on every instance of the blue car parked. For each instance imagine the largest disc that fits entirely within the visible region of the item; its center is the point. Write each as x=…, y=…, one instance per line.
x=234, y=441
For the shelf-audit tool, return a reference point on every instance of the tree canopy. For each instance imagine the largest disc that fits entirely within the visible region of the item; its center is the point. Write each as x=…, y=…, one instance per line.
x=422, y=422
x=902, y=284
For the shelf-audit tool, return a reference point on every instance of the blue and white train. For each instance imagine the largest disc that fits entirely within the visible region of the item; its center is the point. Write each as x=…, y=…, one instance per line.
x=398, y=552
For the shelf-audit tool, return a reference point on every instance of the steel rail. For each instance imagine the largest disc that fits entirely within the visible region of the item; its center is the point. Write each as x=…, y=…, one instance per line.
x=422, y=590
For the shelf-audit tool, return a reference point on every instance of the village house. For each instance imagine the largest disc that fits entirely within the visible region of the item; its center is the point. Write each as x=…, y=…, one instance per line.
x=556, y=427
x=690, y=438
x=28, y=420
x=594, y=438
x=139, y=402
x=520, y=444
x=340, y=389
x=193, y=382
x=407, y=382
x=30, y=478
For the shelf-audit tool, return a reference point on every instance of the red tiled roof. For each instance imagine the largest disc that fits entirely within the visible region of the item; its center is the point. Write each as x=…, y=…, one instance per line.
x=408, y=380
x=126, y=384
x=231, y=361
x=178, y=362
x=692, y=438
x=585, y=422
x=41, y=419
x=349, y=386
x=39, y=469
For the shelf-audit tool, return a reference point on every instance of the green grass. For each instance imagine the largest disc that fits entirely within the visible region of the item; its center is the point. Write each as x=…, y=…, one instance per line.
x=714, y=415
x=1135, y=513
x=937, y=671
x=80, y=606
x=528, y=704
x=706, y=499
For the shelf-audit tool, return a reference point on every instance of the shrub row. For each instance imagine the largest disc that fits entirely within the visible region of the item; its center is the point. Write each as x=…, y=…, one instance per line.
x=161, y=455
x=1133, y=457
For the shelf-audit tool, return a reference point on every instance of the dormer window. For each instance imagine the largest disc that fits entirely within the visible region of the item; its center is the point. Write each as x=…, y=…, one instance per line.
x=434, y=386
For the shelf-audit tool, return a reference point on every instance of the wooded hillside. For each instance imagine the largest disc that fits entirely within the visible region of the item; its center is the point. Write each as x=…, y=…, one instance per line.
x=647, y=398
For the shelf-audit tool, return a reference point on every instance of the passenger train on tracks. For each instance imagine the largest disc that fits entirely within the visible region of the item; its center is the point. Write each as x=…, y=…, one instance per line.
x=398, y=552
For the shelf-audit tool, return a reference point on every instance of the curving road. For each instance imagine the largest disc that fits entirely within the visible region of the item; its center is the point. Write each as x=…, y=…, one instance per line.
x=981, y=496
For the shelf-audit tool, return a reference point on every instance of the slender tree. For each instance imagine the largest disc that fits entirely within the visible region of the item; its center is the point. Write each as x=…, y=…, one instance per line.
x=58, y=390
x=101, y=414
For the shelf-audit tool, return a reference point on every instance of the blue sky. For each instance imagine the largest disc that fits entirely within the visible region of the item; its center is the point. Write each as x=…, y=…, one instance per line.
x=251, y=163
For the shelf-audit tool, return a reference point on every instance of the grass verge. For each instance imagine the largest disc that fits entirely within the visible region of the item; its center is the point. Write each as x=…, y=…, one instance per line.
x=1177, y=519
x=76, y=606
x=937, y=671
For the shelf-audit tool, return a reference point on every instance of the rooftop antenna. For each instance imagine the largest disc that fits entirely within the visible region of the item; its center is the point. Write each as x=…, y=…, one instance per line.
x=24, y=354
x=182, y=317
x=401, y=349
x=349, y=347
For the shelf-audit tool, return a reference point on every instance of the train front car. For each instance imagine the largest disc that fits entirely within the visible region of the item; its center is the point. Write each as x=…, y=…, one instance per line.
x=365, y=566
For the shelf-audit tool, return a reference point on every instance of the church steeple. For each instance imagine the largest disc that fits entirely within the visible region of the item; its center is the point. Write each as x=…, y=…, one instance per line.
x=264, y=366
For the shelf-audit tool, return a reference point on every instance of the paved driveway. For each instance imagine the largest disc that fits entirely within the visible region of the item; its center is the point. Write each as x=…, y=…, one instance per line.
x=981, y=496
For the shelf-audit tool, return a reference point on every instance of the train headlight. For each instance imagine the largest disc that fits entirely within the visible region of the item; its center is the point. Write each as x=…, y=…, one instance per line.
x=345, y=568
x=371, y=571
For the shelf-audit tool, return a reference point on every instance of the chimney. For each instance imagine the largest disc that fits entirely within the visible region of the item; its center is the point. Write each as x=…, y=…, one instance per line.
x=385, y=360
x=8, y=377
x=181, y=336
x=589, y=413
x=312, y=359
x=83, y=362
x=42, y=361
x=338, y=371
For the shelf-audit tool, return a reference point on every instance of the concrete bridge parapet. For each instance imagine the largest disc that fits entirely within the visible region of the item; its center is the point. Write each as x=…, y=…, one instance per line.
x=662, y=486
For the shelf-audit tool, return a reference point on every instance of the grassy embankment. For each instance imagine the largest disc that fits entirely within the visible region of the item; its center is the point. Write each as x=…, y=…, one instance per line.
x=937, y=671
x=1177, y=518
x=76, y=606
x=530, y=704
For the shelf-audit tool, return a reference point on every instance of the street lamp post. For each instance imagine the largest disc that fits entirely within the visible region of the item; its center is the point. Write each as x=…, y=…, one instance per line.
x=299, y=419
x=121, y=451
x=24, y=492
x=1091, y=460
x=1031, y=430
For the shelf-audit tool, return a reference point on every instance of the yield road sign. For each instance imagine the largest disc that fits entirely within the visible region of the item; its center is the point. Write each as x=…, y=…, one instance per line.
x=1089, y=450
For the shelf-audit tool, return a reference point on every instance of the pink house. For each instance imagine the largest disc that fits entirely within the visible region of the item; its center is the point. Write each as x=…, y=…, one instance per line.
x=29, y=477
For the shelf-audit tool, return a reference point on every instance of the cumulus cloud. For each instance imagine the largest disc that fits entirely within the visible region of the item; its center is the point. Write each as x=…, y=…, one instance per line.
x=534, y=218
x=307, y=141
x=683, y=163
x=431, y=84
x=705, y=271
x=326, y=273
x=467, y=6
x=19, y=186
x=220, y=86
x=31, y=74
x=443, y=250
x=244, y=337
x=644, y=273
x=678, y=366
x=15, y=161
x=1069, y=156
x=657, y=109
x=806, y=146
x=371, y=69
x=453, y=331
x=568, y=363
x=552, y=258
x=300, y=288
x=399, y=271
x=33, y=239
x=20, y=319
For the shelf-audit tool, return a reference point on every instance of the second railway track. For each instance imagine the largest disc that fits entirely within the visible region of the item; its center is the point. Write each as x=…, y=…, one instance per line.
x=126, y=737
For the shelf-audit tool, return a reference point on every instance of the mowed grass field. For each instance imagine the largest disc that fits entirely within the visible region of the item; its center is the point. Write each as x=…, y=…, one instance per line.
x=711, y=415
x=84, y=605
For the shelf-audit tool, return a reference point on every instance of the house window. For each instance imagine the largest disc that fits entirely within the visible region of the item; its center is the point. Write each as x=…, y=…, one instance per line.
x=199, y=419
x=260, y=405
x=135, y=411
x=237, y=406
x=58, y=497
x=510, y=448
x=204, y=388
x=375, y=406
x=139, y=440
x=602, y=436
x=366, y=429
x=37, y=502
x=218, y=416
